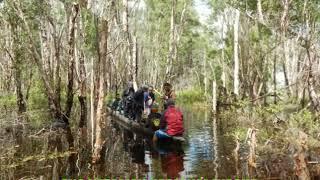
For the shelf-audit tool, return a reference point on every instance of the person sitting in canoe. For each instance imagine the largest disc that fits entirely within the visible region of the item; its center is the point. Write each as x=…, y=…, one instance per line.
x=154, y=118
x=171, y=123
x=168, y=93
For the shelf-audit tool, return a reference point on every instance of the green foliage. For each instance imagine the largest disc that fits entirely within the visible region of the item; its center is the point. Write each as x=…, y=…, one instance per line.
x=241, y=133
x=90, y=31
x=37, y=98
x=305, y=120
x=38, y=118
x=109, y=98
x=190, y=96
x=273, y=108
x=8, y=101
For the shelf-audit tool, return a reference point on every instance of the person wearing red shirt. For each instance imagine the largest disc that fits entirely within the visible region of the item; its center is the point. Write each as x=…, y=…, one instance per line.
x=171, y=123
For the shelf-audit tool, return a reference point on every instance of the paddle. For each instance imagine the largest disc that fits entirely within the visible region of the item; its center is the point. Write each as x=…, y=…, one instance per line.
x=158, y=92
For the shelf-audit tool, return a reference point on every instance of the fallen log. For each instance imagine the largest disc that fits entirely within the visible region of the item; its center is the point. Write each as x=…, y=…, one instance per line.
x=129, y=124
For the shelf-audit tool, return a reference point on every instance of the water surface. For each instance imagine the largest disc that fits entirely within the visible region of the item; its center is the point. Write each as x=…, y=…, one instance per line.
x=207, y=152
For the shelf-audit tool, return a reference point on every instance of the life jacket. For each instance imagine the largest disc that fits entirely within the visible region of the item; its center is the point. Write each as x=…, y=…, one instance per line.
x=174, y=119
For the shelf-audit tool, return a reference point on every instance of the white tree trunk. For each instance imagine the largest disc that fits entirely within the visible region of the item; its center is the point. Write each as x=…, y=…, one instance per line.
x=100, y=123
x=259, y=8
x=205, y=79
x=286, y=65
x=134, y=67
x=92, y=110
x=131, y=44
x=172, y=41
x=236, y=54
x=125, y=16
x=223, y=74
x=214, y=96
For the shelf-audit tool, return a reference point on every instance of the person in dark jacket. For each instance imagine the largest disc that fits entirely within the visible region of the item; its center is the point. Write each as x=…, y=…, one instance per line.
x=171, y=123
x=151, y=94
x=140, y=99
x=127, y=97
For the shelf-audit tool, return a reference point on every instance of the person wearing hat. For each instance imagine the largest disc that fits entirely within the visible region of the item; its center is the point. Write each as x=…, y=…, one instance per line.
x=168, y=93
x=171, y=123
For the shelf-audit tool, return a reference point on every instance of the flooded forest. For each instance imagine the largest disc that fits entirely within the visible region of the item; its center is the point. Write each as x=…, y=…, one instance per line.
x=246, y=75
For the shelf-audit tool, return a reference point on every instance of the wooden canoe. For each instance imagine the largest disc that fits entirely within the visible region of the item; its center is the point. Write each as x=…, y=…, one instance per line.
x=134, y=126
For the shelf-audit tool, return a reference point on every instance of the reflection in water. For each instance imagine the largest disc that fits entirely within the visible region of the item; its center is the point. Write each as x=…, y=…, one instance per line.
x=143, y=152
x=215, y=139
x=207, y=153
x=171, y=159
x=197, y=157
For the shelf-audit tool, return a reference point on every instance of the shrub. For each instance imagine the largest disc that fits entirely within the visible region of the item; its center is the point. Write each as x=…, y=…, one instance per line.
x=190, y=96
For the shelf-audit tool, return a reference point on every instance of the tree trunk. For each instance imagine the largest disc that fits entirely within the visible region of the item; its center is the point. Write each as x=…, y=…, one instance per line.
x=223, y=73
x=205, y=78
x=284, y=26
x=99, y=142
x=82, y=83
x=92, y=107
x=37, y=59
x=99, y=122
x=284, y=66
x=275, y=78
x=57, y=78
x=135, y=60
x=71, y=66
x=315, y=101
x=252, y=143
x=17, y=62
x=235, y=54
x=18, y=78
x=130, y=45
x=214, y=96
x=259, y=8
x=172, y=41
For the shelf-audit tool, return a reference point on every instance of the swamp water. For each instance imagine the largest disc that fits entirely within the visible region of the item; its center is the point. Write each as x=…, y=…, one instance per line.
x=208, y=152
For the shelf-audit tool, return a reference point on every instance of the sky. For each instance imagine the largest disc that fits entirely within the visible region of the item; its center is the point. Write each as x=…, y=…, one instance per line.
x=201, y=6
x=203, y=10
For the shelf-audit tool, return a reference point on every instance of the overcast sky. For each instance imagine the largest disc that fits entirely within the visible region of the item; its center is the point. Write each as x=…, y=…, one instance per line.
x=202, y=9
